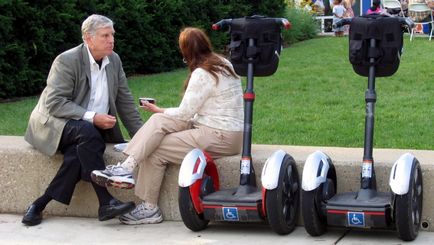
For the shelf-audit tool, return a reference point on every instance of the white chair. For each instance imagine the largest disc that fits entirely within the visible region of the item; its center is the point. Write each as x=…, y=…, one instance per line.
x=393, y=6
x=420, y=13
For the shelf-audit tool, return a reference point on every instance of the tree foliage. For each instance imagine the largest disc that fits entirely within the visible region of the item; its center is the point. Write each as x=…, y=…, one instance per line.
x=32, y=33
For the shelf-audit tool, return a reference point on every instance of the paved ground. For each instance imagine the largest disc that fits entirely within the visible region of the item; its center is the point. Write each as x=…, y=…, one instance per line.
x=68, y=230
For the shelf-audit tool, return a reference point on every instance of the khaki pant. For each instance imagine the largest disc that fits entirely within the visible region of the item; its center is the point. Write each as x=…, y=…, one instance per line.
x=164, y=139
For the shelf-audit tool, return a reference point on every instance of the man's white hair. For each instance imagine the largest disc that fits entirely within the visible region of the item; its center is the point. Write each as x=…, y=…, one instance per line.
x=93, y=23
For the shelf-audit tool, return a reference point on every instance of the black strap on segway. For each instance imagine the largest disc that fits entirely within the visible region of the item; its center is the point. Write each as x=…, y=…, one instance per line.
x=387, y=31
x=265, y=55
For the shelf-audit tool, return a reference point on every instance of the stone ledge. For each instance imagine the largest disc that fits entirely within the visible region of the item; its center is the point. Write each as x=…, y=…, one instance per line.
x=26, y=173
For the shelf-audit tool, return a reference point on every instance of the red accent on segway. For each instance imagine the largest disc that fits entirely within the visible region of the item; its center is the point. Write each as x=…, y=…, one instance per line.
x=195, y=196
x=249, y=96
x=196, y=166
x=195, y=188
x=372, y=213
x=221, y=206
x=211, y=170
x=286, y=24
x=208, y=157
x=337, y=211
x=264, y=193
x=221, y=24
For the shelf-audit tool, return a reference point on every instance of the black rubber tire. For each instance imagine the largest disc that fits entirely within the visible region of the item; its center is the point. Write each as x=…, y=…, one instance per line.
x=408, y=207
x=282, y=203
x=190, y=217
x=315, y=222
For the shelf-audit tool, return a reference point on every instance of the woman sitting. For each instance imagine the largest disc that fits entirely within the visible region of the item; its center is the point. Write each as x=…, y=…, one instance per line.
x=210, y=117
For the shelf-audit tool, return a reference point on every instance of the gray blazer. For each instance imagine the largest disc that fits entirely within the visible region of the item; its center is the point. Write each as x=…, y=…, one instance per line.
x=67, y=95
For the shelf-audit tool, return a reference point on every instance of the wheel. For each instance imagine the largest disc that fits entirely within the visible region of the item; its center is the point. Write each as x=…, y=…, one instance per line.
x=282, y=203
x=408, y=207
x=190, y=197
x=190, y=217
x=313, y=203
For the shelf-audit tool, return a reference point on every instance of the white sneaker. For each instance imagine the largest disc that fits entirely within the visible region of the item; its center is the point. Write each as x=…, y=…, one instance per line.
x=142, y=215
x=113, y=176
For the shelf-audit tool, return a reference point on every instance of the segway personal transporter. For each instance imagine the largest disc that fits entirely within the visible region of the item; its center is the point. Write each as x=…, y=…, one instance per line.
x=375, y=44
x=255, y=48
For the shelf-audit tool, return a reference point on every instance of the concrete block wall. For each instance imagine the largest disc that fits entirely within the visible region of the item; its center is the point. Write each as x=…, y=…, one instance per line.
x=25, y=173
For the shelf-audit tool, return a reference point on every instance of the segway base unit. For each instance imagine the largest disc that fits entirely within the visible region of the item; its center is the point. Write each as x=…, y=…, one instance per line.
x=374, y=49
x=225, y=205
x=255, y=47
x=344, y=209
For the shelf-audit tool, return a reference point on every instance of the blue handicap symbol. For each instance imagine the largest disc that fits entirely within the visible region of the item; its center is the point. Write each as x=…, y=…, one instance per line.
x=230, y=214
x=356, y=219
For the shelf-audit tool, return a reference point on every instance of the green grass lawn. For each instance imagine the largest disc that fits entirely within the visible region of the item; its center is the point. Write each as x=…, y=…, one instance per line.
x=314, y=98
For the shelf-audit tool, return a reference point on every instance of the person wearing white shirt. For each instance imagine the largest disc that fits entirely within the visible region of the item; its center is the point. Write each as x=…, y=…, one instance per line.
x=338, y=14
x=77, y=115
x=210, y=117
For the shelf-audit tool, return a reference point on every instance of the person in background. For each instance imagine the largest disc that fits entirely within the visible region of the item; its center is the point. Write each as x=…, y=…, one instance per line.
x=349, y=13
x=210, y=117
x=77, y=114
x=338, y=14
x=404, y=5
x=376, y=8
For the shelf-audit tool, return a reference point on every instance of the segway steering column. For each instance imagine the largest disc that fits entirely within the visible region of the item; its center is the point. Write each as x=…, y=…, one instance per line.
x=247, y=176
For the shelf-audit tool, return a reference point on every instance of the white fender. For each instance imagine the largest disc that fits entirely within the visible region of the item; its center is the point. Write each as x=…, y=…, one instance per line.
x=310, y=178
x=192, y=168
x=271, y=169
x=399, y=180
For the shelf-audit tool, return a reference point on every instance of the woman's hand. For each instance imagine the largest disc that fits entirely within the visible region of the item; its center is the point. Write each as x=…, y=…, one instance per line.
x=152, y=107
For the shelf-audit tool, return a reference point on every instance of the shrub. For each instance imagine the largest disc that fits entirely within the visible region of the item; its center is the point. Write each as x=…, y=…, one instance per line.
x=304, y=26
x=34, y=32
x=31, y=34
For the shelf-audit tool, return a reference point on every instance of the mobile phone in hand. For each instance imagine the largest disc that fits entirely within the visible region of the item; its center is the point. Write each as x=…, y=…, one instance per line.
x=142, y=101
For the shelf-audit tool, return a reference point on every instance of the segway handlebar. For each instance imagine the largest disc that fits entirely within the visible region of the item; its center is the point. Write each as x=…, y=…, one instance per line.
x=344, y=21
x=221, y=24
x=227, y=22
x=284, y=22
x=405, y=21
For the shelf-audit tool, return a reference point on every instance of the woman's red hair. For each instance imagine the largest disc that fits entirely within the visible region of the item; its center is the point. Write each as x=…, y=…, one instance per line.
x=197, y=51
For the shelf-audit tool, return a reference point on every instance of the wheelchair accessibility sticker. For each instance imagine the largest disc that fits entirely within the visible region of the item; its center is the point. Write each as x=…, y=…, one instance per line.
x=356, y=219
x=230, y=214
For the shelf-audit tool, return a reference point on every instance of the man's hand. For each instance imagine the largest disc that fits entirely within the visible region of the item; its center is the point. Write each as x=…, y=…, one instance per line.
x=104, y=121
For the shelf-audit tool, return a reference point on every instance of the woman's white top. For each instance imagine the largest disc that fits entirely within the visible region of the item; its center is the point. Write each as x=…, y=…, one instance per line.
x=216, y=105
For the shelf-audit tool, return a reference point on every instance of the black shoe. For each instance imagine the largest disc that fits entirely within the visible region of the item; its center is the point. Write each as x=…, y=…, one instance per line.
x=32, y=216
x=114, y=209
